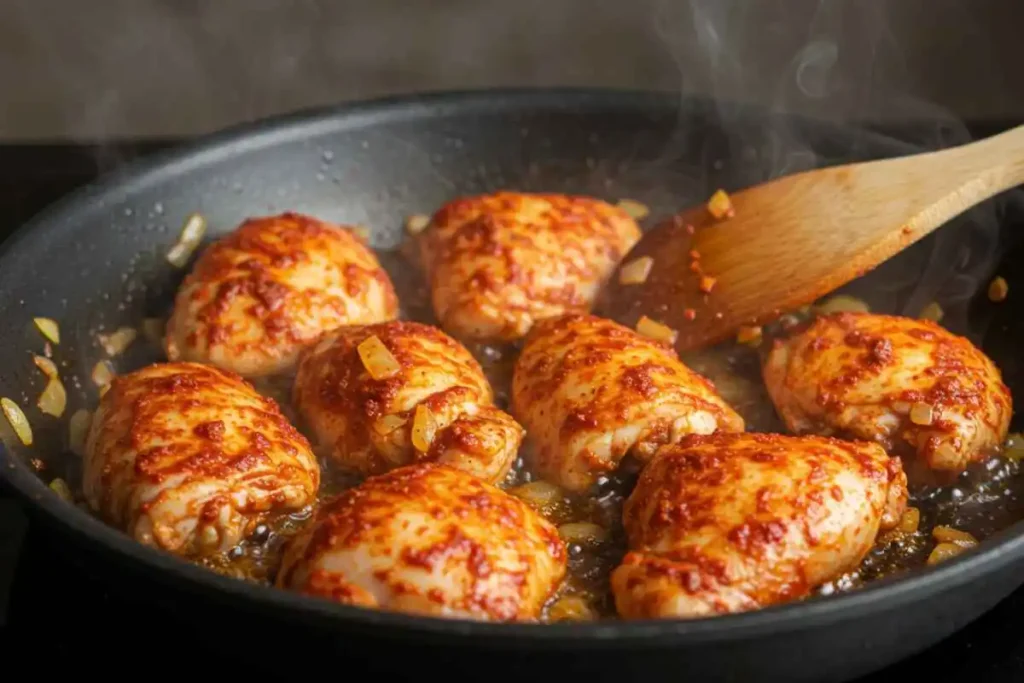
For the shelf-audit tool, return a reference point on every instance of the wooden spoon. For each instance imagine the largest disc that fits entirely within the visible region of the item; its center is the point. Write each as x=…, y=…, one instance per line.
x=796, y=238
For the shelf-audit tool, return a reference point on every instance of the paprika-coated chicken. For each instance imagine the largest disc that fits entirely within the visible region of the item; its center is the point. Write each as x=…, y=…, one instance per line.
x=260, y=294
x=498, y=263
x=736, y=522
x=908, y=384
x=189, y=458
x=589, y=391
x=429, y=539
x=436, y=404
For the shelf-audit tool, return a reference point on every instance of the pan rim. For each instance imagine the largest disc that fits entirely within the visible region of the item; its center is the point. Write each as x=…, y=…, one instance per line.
x=882, y=595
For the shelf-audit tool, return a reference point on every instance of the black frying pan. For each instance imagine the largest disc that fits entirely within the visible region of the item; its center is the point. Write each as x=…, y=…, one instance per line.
x=96, y=259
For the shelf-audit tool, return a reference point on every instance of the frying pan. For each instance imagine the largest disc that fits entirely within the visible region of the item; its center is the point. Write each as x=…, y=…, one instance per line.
x=95, y=261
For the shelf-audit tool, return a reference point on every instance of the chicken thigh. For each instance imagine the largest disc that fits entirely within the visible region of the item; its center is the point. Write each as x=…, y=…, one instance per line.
x=189, y=458
x=736, y=522
x=908, y=384
x=257, y=296
x=429, y=539
x=435, y=403
x=589, y=391
x=497, y=263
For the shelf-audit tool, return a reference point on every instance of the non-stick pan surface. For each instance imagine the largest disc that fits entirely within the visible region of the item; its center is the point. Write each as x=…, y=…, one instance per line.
x=96, y=261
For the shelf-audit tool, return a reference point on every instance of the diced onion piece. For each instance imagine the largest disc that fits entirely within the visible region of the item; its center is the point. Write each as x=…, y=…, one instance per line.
x=538, y=494
x=998, y=289
x=720, y=205
x=377, y=359
x=49, y=329
x=922, y=414
x=944, y=551
x=102, y=373
x=416, y=223
x=19, y=423
x=423, y=428
x=583, y=533
x=78, y=430
x=61, y=488
x=655, y=330
x=636, y=271
x=48, y=367
x=388, y=424
x=153, y=330
x=707, y=283
x=843, y=304
x=117, y=341
x=749, y=335
x=932, y=311
x=570, y=608
x=54, y=398
x=947, y=534
x=909, y=521
x=191, y=235
x=635, y=209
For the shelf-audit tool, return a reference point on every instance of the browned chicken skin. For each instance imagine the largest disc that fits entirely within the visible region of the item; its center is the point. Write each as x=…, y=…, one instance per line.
x=908, y=384
x=259, y=295
x=589, y=391
x=429, y=539
x=368, y=423
x=188, y=458
x=497, y=263
x=736, y=522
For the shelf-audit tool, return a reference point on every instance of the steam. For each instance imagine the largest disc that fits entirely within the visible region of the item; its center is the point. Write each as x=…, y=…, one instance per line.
x=835, y=74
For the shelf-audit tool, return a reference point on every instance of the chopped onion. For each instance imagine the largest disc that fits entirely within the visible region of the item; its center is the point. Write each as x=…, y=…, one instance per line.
x=909, y=521
x=102, y=373
x=582, y=533
x=636, y=271
x=922, y=414
x=416, y=223
x=78, y=430
x=191, y=235
x=720, y=205
x=998, y=289
x=153, y=330
x=570, y=608
x=48, y=367
x=932, y=312
x=947, y=534
x=707, y=283
x=377, y=359
x=423, y=428
x=54, y=398
x=19, y=423
x=49, y=329
x=944, y=551
x=118, y=341
x=655, y=330
x=749, y=335
x=538, y=494
x=635, y=209
x=388, y=424
x=61, y=488
x=843, y=304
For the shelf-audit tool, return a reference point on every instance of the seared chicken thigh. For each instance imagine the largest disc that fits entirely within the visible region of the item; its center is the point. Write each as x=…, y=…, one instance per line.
x=736, y=522
x=260, y=294
x=188, y=458
x=910, y=385
x=497, y=263
x=435, y=403
x=589, y=391
x=429, y=539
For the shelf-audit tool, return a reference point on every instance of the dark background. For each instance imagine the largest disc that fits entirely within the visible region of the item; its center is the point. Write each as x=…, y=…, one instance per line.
x=81, y=84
